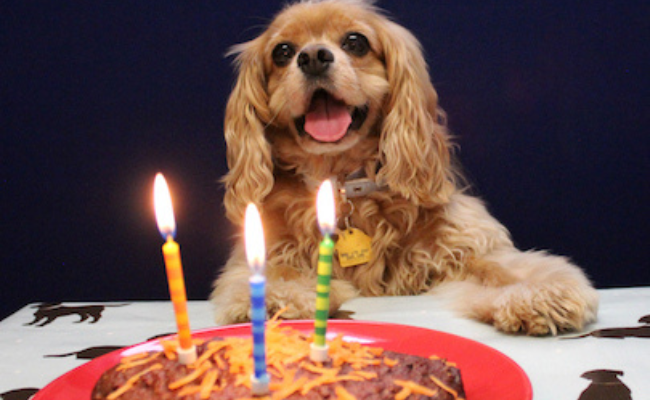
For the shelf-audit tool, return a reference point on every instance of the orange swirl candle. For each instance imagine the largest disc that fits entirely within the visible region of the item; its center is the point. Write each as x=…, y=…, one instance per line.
x=172, y=255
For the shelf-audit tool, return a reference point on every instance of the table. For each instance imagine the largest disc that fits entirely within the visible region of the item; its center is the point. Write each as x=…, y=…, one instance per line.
x=34, y=355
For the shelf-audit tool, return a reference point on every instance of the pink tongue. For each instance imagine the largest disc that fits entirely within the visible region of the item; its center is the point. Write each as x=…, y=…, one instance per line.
x=327, y=119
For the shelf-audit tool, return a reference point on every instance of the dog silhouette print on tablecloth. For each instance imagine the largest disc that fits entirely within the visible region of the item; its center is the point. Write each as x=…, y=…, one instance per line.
x=642, y=331
x=89, y=353
x=605, y=385
x=19, y=394
x=46, y=313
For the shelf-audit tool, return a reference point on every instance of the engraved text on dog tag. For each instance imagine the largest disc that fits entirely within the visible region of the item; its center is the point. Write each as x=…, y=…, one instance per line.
x=354, y=247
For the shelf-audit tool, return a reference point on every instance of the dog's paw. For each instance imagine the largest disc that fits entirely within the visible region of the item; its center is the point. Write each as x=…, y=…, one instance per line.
x=294, y=301
x=544, y=310
x=232, y=312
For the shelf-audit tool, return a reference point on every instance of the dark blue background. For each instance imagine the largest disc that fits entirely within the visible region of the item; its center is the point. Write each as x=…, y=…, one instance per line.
x=549, y=103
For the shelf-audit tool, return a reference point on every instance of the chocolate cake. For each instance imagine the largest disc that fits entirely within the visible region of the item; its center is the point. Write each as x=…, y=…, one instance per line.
x=224, y=367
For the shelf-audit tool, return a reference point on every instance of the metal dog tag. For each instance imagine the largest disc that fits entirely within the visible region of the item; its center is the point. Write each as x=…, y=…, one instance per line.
x=354, y=247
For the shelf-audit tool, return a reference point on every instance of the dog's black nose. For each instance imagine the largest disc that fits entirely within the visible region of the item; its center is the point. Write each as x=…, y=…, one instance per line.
x=315, y=60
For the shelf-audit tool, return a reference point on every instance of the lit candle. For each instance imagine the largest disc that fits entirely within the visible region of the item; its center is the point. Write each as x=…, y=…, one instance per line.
x=172, y=255
x=255, y=249
x=326, y=220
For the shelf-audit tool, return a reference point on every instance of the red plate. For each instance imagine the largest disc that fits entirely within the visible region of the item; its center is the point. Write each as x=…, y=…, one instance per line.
x=487, y=373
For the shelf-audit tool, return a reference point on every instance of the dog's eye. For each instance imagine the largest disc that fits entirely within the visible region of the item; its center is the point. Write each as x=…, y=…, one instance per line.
x=283, y=53
x=356, y=44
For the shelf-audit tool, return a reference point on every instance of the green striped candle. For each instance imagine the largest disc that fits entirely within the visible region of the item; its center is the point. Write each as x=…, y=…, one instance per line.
x=326, y=218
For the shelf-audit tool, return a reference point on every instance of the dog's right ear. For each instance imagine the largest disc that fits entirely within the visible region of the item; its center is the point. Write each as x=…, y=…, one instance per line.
x=414, y=146
x=250, y=175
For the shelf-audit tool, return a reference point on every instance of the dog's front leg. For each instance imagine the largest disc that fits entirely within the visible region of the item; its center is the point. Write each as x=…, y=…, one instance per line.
x=231, y=294
x=552, y=296
x=548, y=295
x=297, y=295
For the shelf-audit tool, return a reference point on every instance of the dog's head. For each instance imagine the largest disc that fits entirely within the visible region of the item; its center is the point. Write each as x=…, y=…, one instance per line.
x=330, y=87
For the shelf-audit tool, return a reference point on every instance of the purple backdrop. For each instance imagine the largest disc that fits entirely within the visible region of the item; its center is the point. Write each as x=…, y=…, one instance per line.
x=549, y=103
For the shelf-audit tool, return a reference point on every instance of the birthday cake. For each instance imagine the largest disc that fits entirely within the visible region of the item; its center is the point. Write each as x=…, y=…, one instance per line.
x=224, y=366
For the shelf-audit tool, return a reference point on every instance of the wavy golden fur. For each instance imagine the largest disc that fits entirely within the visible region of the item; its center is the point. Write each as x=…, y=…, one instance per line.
x=428, y=236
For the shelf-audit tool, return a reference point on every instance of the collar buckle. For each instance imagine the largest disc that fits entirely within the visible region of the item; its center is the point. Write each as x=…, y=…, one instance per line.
x=358, y=188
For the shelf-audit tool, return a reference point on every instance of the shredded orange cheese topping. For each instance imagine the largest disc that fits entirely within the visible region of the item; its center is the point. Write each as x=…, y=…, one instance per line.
x=342, y=394
x=444, y=387
x=287, y=353
x=413, y=387
x=135, y=361
x=129, y=383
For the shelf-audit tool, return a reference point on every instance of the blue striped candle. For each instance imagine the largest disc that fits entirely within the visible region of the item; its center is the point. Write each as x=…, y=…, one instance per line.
x=258, y=319
x=255, y=250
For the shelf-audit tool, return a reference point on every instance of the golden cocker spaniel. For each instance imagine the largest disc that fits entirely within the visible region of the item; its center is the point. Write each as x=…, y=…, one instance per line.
x=334, y=89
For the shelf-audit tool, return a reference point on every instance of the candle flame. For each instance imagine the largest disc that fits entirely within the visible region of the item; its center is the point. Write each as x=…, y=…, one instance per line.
x=254, y=237
x=163, y=205
x=325, y=208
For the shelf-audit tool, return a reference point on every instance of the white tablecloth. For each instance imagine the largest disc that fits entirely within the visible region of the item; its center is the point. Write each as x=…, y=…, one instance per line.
x=553, y=364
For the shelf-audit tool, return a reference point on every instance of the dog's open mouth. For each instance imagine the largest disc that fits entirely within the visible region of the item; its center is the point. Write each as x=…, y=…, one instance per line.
x=328, y=119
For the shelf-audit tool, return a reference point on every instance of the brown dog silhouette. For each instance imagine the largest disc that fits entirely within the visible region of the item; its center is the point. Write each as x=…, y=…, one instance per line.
x=605, y=385
x=621, y=333
x=19, y=394
x=48, y=312
x=89, y=353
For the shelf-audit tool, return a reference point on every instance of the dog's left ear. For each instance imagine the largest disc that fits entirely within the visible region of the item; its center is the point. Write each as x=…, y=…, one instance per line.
x=414, y=146
x=250, y=175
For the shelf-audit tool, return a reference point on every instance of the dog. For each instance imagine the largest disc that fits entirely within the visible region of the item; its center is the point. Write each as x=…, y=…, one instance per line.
x=334, y=89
